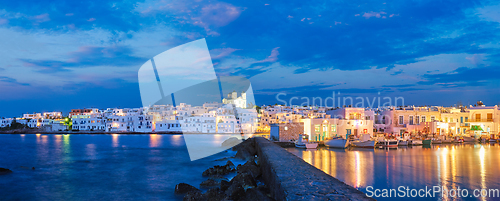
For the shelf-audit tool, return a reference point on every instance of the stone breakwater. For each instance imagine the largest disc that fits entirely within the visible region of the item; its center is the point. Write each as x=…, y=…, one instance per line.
x=270, y=173
x=247, y=185
x=291, y=178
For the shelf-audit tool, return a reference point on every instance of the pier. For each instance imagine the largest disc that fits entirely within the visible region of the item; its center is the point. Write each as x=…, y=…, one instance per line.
x=291, y=178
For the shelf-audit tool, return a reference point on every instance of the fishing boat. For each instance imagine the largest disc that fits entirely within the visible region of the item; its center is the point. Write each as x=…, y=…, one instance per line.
x=364, y=141
x=388, y=143
x=337, y=143
x=416, y=142
x=493, y=138
x=427, y=142
x=436, y=141
x=446, y=141
x=301, y=144
x=469, y=139
x=403, y=143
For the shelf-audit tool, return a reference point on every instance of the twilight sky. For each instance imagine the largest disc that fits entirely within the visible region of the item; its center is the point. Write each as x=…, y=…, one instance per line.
x=59, y=55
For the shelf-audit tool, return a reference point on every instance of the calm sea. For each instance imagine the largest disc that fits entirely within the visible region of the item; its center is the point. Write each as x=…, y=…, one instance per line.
x=99, y=167
x=468, y=166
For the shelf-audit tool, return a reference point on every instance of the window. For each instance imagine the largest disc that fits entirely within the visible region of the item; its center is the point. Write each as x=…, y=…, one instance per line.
x=401, y=120
x=461, y=119
x=489, y=117
x=466, y=119
x=446, y=119
x=433, y=118
x=316, y=128
x=478, y=117
x=411, y=120
x=417, y=120
x=348, y=131
x=334, y=128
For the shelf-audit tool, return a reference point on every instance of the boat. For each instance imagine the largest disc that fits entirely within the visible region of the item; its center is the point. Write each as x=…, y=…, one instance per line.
x=493, y=138
x=446, y=140
x=436, y=141
x=459, y=140
x=337, y=143
x=364, y=141
x=388, y=143
x=469, y=139
x=427, y=142
x=301, y=144
x=416, y=142
x=403, y=143
x=405, y=140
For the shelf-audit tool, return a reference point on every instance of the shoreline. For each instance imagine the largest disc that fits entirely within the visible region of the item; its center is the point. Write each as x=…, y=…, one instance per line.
x=111, y=133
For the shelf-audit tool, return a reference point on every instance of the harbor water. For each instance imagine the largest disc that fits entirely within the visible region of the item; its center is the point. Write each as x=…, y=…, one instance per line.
x=100, y=167
x=450, y=166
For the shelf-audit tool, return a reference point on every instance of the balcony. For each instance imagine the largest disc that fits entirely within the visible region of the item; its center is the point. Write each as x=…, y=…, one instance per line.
x=480, y=120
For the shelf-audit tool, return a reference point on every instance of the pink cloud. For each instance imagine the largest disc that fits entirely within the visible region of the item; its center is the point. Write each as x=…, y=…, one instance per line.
x=222, y=52
x=337, y=22
x=219, y=14
x=475, y=59
x=69, y=14
x=3, y=21
x=374, y=14
x=289, y=17
x=356, y=15
x=41, y=18
x=91, y=19
x=271, y=58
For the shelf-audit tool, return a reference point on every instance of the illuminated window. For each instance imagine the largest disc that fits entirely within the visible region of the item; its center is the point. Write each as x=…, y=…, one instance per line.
x=401, y=118
x=423, y=118
x=316, y=128
x=334, y=128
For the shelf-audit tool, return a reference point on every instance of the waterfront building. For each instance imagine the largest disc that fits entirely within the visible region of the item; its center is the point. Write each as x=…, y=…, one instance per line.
x=32, y=116
x=94, y=122
x=484, y=120
x=52, y=115
x=286, y=132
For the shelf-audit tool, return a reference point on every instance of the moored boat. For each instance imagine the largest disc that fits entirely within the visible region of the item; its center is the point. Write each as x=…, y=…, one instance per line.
x=416, y=142
x=300, y=143
x=364, y=141
x=437, y=141
x=493, y=138
x=388, y=143
x=337, y=143
x=364, y=144
x=468, y=139
x=426, y=142
x=403, y=143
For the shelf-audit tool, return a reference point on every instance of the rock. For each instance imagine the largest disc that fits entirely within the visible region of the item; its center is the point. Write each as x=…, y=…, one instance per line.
x=214, y=194
x=218, y=178
x=194, y=196
x=255, y=194
x=5, y=171
x=231, y=142
x=210, y=183
x=220, y=170
x=230, y=164
x=235, y=192
x=183, y=188
x=250, y=167
x=224, y=185
x=246, y=150
x=245, y=180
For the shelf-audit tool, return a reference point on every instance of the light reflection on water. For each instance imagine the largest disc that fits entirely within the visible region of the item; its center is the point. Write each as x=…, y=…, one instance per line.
x=100, y=167
x=470, y=166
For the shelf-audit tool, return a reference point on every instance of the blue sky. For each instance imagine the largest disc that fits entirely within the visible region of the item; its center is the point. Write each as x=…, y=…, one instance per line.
x=58, y=55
